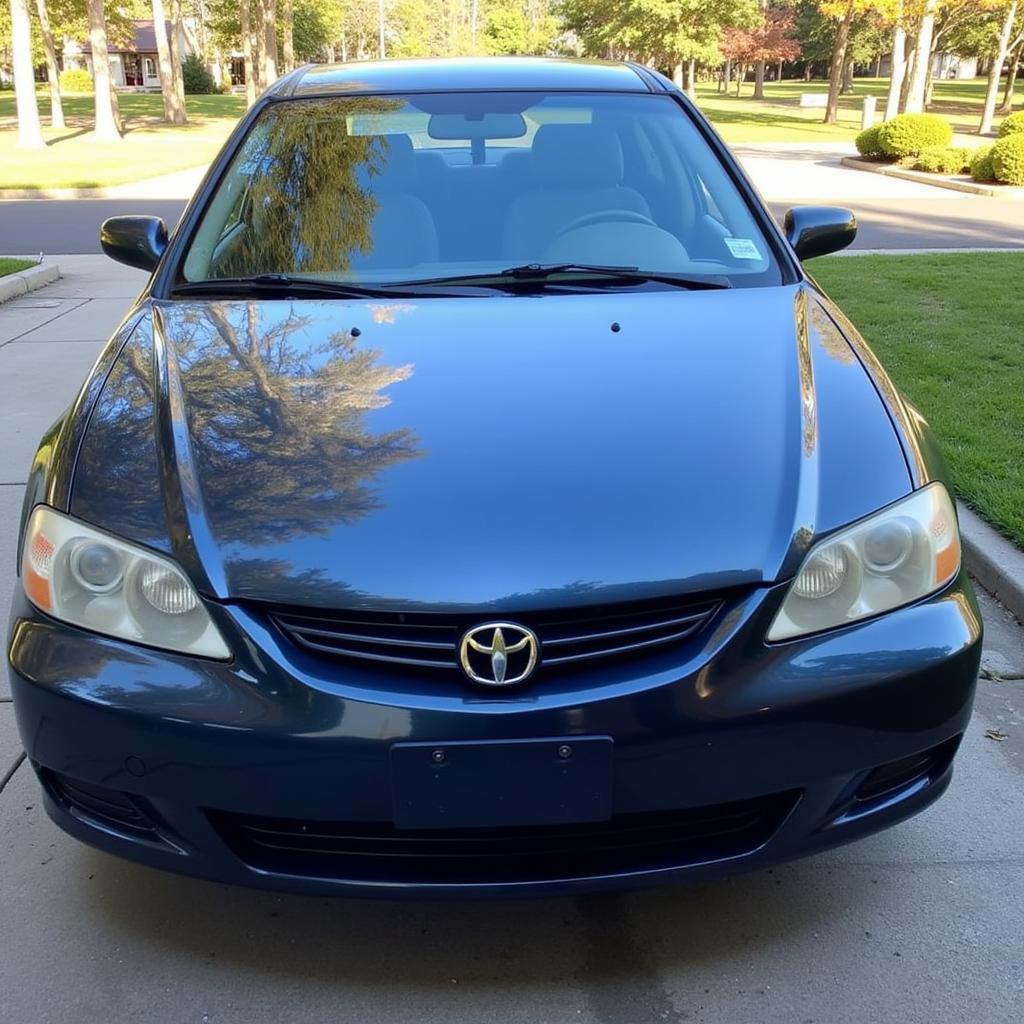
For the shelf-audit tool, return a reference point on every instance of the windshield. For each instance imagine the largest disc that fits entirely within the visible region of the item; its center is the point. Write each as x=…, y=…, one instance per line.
x=379, y=190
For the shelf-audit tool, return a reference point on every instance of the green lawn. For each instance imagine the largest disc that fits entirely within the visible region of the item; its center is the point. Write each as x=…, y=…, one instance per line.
x=780, y=118
x=948, y=329
x=12, y=266
x=150, y=148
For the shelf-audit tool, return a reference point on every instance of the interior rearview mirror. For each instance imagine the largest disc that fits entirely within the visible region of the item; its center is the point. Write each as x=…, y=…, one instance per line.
x=136, y=241
x=819, y=230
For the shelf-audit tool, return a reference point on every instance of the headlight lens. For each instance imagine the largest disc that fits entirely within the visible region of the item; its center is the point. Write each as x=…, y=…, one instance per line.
x=90, y=579
x=894, y=557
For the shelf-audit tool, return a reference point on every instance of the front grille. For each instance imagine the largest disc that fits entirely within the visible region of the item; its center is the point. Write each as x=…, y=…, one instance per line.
x=427, y=641
x=625, y=843
x=107, y=807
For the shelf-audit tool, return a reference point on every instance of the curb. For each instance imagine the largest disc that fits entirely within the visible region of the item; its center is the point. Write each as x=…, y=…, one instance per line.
x=995, y=562
x=938, y=181
x=24, y=281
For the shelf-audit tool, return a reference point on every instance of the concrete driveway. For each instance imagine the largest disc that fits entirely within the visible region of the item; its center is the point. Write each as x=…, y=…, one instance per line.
x=918, y=925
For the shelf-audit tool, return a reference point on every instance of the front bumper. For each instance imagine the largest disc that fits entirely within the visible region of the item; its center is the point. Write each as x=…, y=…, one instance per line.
x=274, y=771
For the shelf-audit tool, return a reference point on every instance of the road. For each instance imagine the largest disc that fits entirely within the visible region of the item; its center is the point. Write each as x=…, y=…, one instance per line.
x=917, y=925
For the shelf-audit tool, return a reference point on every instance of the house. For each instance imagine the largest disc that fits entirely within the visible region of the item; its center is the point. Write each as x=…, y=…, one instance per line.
x=135, y=66
x=944, y=65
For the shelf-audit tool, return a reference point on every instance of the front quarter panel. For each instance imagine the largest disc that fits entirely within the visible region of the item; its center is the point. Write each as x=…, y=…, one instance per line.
x=53, y=465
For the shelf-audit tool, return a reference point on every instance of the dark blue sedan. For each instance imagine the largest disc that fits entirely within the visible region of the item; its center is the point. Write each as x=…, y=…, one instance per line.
x=481, y=499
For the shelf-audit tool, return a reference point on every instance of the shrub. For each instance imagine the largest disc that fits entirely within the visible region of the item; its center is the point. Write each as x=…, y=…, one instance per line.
x=867, y=142
x=942, y=160
x=908, y=134
x=75, y=80
x=1012, y=125
x=1008, y=159
x=196, y=77
x=981, y=164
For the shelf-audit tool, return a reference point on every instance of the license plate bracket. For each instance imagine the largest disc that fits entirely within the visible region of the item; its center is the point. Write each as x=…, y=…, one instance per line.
x=503, y=783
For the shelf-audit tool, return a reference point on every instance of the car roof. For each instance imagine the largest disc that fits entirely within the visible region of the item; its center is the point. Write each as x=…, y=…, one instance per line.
x=444, y=74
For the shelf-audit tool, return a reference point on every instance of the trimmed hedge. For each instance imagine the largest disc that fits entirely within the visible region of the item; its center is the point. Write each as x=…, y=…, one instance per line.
x=867, y=142
x=909, y=134
x=196, y=77
x=1012, y=125
x=942, y=160
x=75, y=80
x=981, y=164
x=1008, y=159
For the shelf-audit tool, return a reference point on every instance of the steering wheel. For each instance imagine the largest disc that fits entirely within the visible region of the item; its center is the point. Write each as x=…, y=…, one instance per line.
x=607, y=217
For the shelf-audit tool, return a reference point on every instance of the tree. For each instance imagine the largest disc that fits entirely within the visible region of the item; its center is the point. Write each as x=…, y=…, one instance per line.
x=1011, y=80
x=288, y=35
x=992, y=91
x=30, y=133
x=174, y=109
x=108, y=119
x=918, y=73
x=177, y=57
x=269, y=13
x=52, y=67
x=897, y=64
x=666, y=33
x=248, y=61
x=772, y=40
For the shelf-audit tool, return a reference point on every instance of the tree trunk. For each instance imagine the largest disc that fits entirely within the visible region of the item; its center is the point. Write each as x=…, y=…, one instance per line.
x=260, y=50
x=108, y=120
x=835, y=81
x=288, y=40
x=778, y=72
x=1011, y=81
x=53, y=70
x=759, y=80
x=848, y=78
x=878, y=65
x=270, y=46
x=30, y=133
x=992, y=93
x=174, y=113
x=177, y=75
x=726, y=76
x=677, y=74
x=897, y=70
x=247, y=58
x=691, y=80
x=923, y=50
x=741, y=73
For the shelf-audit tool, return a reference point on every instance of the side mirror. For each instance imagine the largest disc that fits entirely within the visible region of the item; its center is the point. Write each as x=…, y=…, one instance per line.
x=137, y=241
x=819, y=230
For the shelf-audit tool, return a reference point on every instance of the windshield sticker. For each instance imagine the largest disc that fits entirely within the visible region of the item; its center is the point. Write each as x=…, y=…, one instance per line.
x=742, y=248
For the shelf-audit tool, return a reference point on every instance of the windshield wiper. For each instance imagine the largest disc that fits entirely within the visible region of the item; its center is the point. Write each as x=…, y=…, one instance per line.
x=287, y=284
x=532, y=274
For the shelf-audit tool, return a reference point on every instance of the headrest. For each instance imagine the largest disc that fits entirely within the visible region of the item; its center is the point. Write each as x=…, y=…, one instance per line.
x=397, y=162
x=579, y=154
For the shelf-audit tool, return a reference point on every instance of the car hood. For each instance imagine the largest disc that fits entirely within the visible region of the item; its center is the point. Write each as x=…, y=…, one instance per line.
x=506, y=452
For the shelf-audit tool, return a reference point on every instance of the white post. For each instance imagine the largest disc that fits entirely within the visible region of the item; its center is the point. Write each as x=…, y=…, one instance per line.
x=867, y=117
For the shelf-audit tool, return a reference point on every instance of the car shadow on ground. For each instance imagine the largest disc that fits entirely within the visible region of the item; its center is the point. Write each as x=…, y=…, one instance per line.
x=597, y=940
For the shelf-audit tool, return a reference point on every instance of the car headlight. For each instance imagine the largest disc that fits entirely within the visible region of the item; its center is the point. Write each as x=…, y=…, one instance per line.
x=892, y=558
x=87, y=578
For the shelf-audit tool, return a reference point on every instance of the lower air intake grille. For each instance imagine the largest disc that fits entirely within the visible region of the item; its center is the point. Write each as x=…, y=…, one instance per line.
x=627, y=842
x=108, y=807
x=431, y=641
